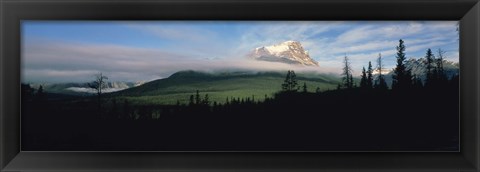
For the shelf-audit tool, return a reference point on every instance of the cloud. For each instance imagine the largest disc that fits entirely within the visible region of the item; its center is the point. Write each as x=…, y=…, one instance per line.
x=203, y=39
x=272, y=32
x=355, y=35
x=172, y=30
x=53, y=75
x=368, y=46
x=352, y=37
x=388, y=31
x=63, y=61
x=92, y=91
x=200, y=48
x=74, y=62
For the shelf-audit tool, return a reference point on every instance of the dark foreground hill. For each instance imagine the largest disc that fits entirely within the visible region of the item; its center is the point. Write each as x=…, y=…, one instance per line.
x=338, y=120
x=355, y=119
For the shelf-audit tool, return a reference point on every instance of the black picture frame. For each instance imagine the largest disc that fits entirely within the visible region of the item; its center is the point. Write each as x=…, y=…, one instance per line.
x=13, y=11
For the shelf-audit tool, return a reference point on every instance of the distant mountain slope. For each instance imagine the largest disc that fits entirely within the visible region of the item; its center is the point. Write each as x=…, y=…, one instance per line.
x=418, y=68
x=82, y=88
x=219, y=86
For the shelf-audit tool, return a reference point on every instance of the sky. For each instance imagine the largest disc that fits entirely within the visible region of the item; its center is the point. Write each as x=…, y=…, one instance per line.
x=74, y=51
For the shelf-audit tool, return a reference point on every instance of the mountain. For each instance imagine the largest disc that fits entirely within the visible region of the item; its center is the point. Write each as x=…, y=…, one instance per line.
x=290, y=52
x=82, y=88
x=418, y=68
x=220, y=86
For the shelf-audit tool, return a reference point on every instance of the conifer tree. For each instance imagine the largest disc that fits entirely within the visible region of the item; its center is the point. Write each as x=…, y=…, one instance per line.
x=442, y=76
x=40, y=95
x=197, y=98
x=206, y=100
x=402, y=77
x=286, y=82
x=192, y=102
x=293, y=81
x=290, y=82
x=347, y=78
x=40, y=90
x=363, y=80
x=380, y=82
x=430, y=71
x=369, y=75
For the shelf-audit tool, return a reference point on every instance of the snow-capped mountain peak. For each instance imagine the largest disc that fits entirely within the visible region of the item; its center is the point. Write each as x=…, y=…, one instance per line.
x=290, y=52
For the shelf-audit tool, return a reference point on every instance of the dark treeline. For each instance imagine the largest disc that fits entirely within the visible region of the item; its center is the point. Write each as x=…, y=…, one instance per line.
x=414, y=114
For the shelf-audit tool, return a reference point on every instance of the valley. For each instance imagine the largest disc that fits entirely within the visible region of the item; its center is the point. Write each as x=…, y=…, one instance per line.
x=219, y=86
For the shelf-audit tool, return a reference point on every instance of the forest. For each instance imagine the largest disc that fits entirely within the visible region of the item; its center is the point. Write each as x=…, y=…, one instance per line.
x=365, y=113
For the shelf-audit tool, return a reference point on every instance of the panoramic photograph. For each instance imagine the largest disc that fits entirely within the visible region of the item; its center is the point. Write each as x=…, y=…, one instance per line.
x=240, y=86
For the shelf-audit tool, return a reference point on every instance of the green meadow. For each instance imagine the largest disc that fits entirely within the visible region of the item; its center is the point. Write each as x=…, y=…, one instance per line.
x=219, y=86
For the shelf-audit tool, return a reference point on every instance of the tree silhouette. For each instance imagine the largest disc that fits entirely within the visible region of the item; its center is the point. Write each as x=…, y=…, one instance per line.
x=442, y=76
x=290, y=82
x=380, y=82
x=286, y=82
x=402, y=77
x=40, y=91
x=352, y=84
x=347, y=78
x=192, y=102
x=40, y=95
x=99, y=84
x=431, y=72
x=197, y=98
x=369, y=75
x=363, y=80
x=205, y=100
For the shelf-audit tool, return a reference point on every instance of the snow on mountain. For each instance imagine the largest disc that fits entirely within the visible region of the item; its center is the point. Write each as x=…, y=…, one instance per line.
x=290, y=52
x=384, y=71
x=138, y=83
x=418, y=68
x=110, y=87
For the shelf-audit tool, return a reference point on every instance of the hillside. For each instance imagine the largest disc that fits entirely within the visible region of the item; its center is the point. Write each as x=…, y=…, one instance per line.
x=179, y=86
